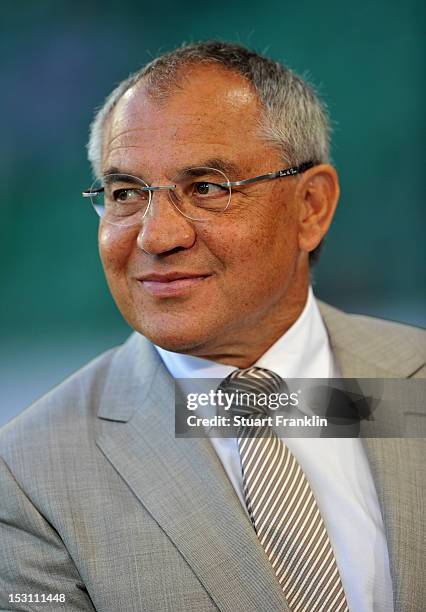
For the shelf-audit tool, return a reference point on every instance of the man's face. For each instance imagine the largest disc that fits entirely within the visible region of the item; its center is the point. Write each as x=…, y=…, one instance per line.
x=246, y=259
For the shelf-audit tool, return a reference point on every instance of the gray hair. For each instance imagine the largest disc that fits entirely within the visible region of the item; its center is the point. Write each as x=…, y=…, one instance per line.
x=294, y=119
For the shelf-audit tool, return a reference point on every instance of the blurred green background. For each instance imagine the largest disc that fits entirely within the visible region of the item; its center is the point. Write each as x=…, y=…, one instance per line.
x=59, y=61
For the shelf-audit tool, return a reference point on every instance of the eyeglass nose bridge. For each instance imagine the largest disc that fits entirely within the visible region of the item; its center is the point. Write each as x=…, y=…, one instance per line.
x=173, y=199
x=160, y=187
x=171, y=192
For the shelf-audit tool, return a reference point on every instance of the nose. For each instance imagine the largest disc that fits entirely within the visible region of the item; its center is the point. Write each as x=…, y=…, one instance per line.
x=163, y=227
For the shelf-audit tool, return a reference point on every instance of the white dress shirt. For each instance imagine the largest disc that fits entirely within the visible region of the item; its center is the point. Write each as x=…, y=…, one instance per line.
x=337, y=469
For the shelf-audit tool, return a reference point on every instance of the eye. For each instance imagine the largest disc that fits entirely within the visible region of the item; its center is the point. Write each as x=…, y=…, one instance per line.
x=205, y=189
x=123, y=196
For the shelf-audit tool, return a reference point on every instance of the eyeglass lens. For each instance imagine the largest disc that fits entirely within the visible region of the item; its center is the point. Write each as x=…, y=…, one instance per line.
x=198, y=193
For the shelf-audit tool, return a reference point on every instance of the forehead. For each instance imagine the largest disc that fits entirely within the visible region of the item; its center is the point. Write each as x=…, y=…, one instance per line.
x=209, y=114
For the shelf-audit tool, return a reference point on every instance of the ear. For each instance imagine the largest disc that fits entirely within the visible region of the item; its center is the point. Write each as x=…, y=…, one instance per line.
x=317, y=194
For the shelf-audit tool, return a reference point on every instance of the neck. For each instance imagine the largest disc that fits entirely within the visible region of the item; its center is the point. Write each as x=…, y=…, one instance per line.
x=251, y=343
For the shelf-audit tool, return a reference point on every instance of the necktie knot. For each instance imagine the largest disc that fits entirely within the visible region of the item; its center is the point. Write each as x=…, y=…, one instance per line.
x=250, y=389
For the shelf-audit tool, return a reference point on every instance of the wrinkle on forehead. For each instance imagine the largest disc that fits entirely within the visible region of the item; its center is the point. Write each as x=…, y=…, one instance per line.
x=201, y=83
x=210, y=98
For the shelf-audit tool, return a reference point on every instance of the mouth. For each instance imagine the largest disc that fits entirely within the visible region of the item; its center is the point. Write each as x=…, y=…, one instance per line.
x=173, y=284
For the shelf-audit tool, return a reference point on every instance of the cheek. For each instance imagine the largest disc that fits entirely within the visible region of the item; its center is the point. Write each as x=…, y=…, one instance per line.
x=115, y=246
x=258, y=244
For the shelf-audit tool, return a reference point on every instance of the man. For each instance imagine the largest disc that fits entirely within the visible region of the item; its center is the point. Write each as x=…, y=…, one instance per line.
x=102, y=507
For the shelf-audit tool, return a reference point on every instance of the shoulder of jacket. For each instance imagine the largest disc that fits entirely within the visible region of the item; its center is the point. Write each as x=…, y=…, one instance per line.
x=402, y=332
x=74, y=399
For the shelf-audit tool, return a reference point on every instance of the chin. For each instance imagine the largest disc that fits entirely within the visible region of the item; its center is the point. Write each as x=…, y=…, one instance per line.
x=175, y=340
x=181, y=344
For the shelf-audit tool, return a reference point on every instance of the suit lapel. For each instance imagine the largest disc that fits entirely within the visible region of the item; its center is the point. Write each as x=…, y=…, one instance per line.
x=182, y=484
x=397, y=464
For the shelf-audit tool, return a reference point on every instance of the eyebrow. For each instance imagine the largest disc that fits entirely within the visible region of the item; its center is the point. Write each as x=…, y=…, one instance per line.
x=113, y=177
x=119, y=172
x=217, y=163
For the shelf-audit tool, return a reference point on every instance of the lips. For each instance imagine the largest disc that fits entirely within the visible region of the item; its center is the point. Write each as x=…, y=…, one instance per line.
x=172, y=283
x=171, y=276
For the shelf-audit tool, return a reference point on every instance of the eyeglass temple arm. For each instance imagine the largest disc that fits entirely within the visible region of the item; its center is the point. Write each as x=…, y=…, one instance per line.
x=273, y=175
x=90, y=192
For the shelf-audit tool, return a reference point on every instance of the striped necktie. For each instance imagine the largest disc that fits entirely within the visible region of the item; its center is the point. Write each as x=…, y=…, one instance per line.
x=281, y=504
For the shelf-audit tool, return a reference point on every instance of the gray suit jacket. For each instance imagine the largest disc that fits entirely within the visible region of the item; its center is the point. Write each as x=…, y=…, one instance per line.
x=99, y=501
